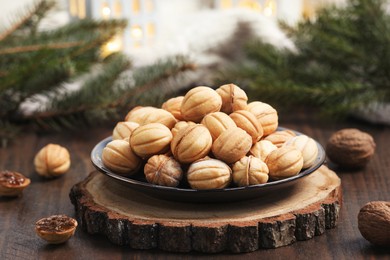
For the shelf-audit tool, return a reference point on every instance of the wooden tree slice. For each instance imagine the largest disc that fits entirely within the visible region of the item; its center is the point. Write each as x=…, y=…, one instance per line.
x=276, y=219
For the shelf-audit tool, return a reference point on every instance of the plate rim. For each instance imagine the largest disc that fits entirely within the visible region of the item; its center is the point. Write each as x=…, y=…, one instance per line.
x=100, y=167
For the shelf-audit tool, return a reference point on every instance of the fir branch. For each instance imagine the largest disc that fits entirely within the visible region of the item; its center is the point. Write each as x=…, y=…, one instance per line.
x=103, y=98
x=38, y=63
x=29, y=48
x=30, y=20
x=151, y=76
x=341, y=62
x=96, y=92
x=77, y=29
x=52, y=58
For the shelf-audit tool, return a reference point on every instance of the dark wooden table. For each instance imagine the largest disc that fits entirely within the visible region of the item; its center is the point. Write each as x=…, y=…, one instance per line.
x=46, y=197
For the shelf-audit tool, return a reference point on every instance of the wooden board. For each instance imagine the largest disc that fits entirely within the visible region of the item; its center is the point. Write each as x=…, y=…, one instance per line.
x=129, y=218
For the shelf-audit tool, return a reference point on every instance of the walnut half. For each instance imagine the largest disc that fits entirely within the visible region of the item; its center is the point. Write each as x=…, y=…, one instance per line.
x=12, y=184
x=56, y=229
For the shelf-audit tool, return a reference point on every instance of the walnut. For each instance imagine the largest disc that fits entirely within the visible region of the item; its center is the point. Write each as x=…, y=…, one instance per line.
x=163, y=170
x=374, y=222
x=232, y=145
x=179, y=125
x=123, y=130
x=173, y=106
x=266, y=114
x=217, y=123
x=307, y=146
x=278, y=138
x=52, y=160
x=233, y=98
x=118, y=157
x=199, y=102
x=262, y=149
x=56, y=229
x=209, y=173
x=350, y=148
x=12, y=184
x=147, y=115
x=191, y=143
x=284, y=162
x=248, y=122
x=250, y=170
x=150, y=139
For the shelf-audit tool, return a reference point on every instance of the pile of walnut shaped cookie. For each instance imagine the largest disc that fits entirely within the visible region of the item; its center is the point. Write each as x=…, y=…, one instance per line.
x=210, y=138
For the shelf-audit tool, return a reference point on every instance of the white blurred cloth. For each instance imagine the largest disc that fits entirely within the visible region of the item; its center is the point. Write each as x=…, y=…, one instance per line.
x=195, y=33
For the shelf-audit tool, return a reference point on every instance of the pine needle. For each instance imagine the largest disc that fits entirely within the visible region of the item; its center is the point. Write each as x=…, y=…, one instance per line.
x=29, y=48
x=38, y=11
x=341, y=62
x=36, y=65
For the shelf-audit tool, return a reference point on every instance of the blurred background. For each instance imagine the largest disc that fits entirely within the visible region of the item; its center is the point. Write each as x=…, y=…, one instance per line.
x=71, y=63
x=165, y=27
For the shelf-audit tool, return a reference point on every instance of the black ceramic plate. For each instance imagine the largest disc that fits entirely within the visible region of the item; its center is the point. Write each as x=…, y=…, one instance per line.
x=185, y=194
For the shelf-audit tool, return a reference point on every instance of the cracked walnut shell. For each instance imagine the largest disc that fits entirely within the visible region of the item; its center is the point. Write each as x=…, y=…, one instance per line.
x=284, y=162
x=163, y=170
x=118, y=157
x=191, y=143
x=232, y=145
x=12, y=184
x=199, y=102
x=233, y=98
x=56, y=229
x=209, y=173
x=52, y=160
x=250, y=170
x=150, y=139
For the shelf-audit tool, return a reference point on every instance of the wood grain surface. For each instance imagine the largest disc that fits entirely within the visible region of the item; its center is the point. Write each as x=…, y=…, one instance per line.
x=46, y=197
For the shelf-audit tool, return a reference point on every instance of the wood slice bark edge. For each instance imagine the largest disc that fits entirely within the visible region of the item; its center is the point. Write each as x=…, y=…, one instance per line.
x=176, y=236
